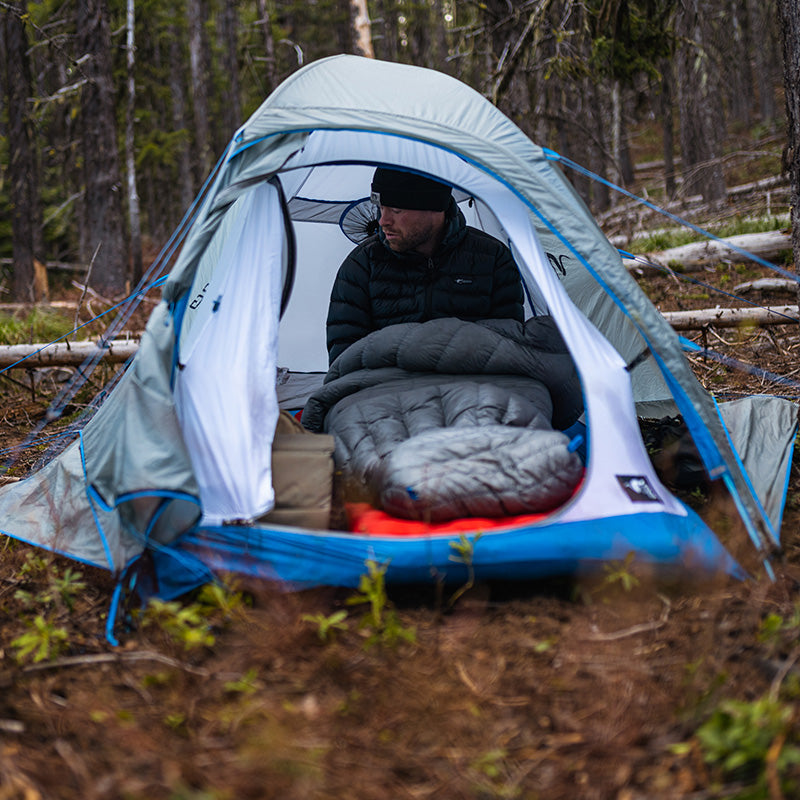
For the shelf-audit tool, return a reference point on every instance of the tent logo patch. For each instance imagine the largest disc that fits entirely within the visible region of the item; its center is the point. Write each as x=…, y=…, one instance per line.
x=557, y=263
x=638, y=488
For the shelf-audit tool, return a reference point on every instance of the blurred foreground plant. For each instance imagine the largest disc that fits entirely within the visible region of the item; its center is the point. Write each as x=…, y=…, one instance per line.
x=381, y=619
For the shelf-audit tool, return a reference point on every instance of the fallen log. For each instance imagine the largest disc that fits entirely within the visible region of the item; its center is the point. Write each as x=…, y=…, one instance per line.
x=769, y=286
x=731, y=317
x=63, y=354
x=693, y=257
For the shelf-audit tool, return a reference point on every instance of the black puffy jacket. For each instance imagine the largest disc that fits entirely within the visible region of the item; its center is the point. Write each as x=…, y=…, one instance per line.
x=471, y=276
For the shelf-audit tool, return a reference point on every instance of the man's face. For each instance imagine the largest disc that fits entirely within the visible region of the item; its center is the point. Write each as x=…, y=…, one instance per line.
x=406, y=229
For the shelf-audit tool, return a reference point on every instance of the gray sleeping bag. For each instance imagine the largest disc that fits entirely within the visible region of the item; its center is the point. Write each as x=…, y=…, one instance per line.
x=446, y=419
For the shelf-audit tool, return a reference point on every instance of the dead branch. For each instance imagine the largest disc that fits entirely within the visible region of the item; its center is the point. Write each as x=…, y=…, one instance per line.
x=768, y=285
x=91, y=659
x=731, y=317
x=634, y=630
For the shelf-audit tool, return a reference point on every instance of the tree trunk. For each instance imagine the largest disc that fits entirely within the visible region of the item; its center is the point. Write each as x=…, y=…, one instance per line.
x=134, y=220
x=229, y=32
x=362, y=28
x=622, y=167
x=738, y=80
x=701, y=119
x=179, y=120
x=22, y=171
x=668, y=125
x=616, y=129
x=440, y=39
x=418, y=35
x=198, y=69
x=103, y=202
x=790, y=26
x=758, y=12
x=386, y=13
x=58, y=128
x=572, y=141
x=596, y=193
x=342, y=23
x=625, y=158
x=269, y=45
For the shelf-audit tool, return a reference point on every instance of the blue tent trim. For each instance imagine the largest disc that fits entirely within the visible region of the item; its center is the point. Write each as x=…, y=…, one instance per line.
x=301, y=559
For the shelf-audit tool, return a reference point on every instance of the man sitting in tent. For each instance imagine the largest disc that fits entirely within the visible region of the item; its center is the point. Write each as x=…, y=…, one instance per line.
x=424, y=263
x=443, y=402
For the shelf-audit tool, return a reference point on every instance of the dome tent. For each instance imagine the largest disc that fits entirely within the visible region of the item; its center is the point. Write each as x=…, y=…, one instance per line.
x=177, y=465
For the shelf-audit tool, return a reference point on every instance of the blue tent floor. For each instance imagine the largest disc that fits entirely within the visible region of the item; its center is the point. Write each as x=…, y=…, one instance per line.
x=303, y=559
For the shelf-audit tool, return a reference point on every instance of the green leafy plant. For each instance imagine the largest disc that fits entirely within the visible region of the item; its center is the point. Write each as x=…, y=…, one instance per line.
x=464, y=554
x=34, y=564
x=246, y=685
x=742, y=739
x=223, y=596
x=185, y=624
x=44, y=641
x=381, y=619
x=490, y=764
x=770, y=630
x=67, y=586
x=491, y=769
x=176, y=720
x=62, y=588
x=619, y=573
x=696, y=498
x=776, y=631
x=545, y=644
x=326, y=625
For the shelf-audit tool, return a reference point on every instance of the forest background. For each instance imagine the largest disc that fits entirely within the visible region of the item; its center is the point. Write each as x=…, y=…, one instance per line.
x=112, y=115
x=113, y=112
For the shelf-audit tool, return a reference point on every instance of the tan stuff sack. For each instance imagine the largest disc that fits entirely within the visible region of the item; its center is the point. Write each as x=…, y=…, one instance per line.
x=302, y=475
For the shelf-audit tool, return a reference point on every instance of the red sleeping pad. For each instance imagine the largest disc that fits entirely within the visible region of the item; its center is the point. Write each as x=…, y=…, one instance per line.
x=363, y=518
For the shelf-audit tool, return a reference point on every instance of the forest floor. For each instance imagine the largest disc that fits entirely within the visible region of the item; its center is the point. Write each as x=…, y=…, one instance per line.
x=622, y=686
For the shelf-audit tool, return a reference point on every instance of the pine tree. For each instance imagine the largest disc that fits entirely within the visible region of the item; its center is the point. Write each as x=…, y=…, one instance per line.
x=790, y=26
x=23, y=172
x=108, y=254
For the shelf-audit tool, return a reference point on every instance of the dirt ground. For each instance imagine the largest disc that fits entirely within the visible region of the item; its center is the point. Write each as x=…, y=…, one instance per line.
x=622, y=687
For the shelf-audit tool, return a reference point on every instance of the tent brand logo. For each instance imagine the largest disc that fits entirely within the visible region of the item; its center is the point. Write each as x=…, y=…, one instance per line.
x=199, y=298
x=638, y=488
x=557, y=263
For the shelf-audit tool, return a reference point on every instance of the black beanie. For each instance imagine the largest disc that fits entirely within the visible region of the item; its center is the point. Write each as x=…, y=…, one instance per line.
x=396, y=189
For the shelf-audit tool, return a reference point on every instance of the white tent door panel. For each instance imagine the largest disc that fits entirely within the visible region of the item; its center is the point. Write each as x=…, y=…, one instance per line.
x=615, y=447
x=211, y=277
x=225, y=391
